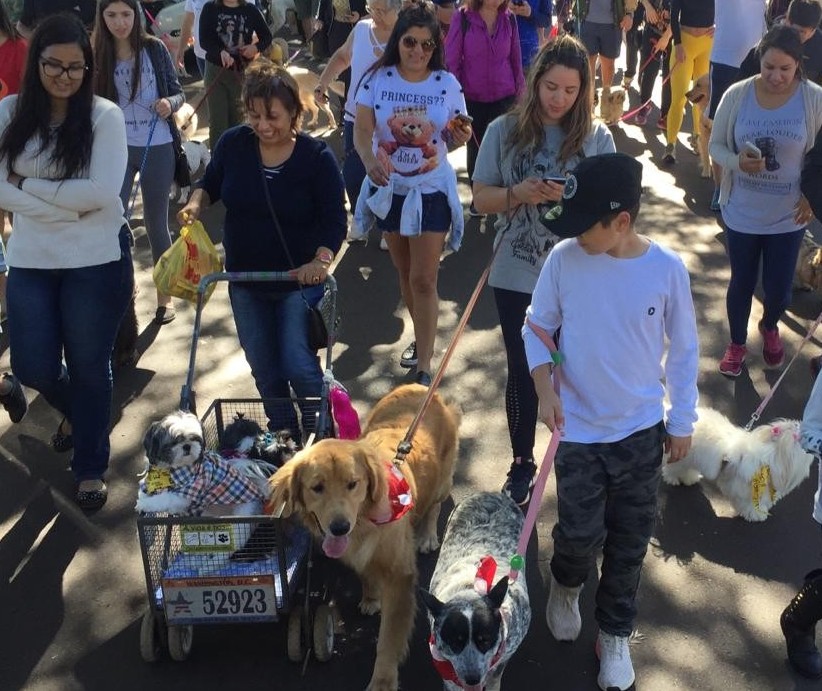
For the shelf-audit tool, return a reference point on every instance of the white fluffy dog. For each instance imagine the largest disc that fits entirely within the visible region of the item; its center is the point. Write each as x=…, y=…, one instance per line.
x=752, y=469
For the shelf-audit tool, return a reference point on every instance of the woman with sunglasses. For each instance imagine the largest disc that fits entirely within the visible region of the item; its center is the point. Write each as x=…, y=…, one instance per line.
x=520, y=173
x=62, y=161
x=410, y=111
x=136, y=71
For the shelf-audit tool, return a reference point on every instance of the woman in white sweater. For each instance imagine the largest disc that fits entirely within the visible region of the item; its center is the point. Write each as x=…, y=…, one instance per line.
x=62, y=161
x=763, y=128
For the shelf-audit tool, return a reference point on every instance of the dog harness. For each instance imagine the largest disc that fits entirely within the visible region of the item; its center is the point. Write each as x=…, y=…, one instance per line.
x=209, y=481
x=399, y=497
x=482, y=584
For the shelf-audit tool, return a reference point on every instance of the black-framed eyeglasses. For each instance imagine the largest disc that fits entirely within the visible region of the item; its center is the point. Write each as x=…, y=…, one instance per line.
x=428, y=45
x=55, y=70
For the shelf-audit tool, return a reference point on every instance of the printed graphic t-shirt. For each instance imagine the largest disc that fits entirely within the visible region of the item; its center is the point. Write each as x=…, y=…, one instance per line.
x=411, y=118
x=140, y=112
x=763, y=204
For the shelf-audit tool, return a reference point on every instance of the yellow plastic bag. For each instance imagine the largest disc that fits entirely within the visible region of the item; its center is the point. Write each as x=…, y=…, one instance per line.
x=190, y=257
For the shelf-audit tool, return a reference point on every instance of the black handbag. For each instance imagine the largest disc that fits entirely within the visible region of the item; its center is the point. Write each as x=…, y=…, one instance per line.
x=323, y=320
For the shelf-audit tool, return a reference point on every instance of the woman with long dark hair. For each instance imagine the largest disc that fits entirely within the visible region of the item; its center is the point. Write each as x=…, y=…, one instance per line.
x=409, y=111
x=136, y=71
x=763, y=128
x=62, y=161
x=519, y=176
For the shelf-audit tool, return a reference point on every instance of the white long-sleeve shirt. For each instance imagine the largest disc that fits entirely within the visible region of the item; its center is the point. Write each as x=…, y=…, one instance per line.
x=67, y=223
x=616, y=315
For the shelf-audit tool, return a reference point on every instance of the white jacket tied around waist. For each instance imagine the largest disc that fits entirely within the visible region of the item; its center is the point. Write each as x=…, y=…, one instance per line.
x=441, y=179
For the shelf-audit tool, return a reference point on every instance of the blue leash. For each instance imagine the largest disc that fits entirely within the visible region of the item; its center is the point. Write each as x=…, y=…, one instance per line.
x=133, y=199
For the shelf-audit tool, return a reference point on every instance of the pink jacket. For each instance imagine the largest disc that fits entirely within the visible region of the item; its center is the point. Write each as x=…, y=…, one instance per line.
x=489, y=67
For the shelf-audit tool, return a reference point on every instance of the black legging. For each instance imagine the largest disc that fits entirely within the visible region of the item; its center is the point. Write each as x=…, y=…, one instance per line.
x=521, y=402
x=651, y=68
x=483, y=114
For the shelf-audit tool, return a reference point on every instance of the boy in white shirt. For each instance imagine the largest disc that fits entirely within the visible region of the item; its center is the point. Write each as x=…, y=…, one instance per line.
x=617, y=296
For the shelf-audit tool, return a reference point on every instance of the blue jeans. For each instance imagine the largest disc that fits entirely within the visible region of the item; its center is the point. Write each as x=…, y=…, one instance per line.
x=778, y=254
x=273, y=332
x=73, y=313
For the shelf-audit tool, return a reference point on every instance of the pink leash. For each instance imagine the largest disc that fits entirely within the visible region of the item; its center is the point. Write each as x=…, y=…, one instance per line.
x=518, y=560
x=758, y=412
x=633, y=112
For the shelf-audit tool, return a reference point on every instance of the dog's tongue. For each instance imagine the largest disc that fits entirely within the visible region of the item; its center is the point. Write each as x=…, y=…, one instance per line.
x=334, y=547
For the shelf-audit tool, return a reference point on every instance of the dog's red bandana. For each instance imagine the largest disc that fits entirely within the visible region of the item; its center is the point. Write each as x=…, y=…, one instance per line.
x=399, y=497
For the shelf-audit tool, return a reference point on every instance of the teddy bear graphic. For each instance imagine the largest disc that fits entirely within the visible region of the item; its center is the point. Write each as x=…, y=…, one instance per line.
x=412, y=151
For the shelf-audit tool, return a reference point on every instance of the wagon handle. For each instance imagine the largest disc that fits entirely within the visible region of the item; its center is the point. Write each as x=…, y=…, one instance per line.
x=187, y=392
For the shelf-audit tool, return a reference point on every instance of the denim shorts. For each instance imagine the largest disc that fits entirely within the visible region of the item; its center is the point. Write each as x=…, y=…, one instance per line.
x=436, y=214
x=601, y=39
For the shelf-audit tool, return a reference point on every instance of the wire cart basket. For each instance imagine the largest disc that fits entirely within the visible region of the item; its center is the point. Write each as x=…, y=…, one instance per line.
x=250, y=569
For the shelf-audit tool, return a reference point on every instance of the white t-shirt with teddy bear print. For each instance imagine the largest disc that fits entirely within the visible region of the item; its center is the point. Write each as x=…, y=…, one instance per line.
x=411, y=135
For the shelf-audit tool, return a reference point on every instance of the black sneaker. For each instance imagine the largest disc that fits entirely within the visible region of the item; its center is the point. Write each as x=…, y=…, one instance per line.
x=408, y=358
x=520, y=480
x=15, y=400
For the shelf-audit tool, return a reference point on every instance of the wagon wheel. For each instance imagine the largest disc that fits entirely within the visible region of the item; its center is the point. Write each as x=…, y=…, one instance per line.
x=296, y=649
x=151, y=644
x=323, y=633
x=179, y=642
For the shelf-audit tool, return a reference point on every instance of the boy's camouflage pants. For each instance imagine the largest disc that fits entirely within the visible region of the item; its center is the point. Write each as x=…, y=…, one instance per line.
x=607, y=495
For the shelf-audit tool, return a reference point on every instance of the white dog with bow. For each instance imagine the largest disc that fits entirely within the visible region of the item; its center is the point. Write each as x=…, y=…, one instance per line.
x=753, y=469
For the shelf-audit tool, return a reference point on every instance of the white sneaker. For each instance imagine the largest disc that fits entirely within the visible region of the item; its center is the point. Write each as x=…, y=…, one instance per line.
x=616, y=672
x=562, y=613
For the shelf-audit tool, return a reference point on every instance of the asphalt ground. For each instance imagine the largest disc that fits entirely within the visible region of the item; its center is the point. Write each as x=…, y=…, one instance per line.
x=72, y=586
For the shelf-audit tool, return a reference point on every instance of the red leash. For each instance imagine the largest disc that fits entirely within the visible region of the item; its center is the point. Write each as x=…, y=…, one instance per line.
x=633, y=112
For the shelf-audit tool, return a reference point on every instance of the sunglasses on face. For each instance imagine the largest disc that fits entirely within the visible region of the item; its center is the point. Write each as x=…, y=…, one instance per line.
x=56, y=70
x=428, y=44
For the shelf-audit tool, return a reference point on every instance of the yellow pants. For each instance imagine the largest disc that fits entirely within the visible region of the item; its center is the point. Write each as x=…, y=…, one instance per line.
x=697, y=63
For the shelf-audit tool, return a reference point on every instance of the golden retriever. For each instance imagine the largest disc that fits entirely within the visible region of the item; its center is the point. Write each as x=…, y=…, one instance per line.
x=700, y=97
x=339, y=490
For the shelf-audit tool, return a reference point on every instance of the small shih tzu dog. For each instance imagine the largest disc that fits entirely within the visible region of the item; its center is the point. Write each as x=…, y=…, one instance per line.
x=197, y=153
x=184, y=478
x=753, y=469
x=478, y=620
x=244, y=438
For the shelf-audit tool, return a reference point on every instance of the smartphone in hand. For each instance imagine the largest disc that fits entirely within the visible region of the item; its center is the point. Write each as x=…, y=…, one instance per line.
x=555, y=178
x=752, y=150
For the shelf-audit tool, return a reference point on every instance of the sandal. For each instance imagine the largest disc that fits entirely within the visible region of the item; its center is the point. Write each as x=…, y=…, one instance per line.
x=60, y=441
x=164, y=315
x=92, y=499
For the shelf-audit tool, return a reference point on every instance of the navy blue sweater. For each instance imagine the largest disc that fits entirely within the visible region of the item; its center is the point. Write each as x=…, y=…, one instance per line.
x=307, y=193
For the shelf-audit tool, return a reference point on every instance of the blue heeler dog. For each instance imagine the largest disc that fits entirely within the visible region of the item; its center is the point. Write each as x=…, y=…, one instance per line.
x=478, y=619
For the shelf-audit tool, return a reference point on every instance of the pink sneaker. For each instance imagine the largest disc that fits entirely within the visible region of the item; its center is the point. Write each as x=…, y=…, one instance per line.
x=772, y=350
x=731, y=363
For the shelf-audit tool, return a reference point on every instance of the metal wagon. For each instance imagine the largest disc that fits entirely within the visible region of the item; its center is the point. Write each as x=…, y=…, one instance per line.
x=229, y=569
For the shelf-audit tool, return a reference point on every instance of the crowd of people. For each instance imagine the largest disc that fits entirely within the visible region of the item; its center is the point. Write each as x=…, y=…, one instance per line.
x=82, y=114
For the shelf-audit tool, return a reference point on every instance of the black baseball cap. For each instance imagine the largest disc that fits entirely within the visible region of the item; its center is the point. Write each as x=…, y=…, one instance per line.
x=598, y=186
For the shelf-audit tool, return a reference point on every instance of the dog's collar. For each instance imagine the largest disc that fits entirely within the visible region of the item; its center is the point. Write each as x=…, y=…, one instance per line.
x=446, y=670
x=399, y=497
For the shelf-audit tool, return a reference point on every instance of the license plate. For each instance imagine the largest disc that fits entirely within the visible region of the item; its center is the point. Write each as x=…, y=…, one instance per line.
x=212, y=600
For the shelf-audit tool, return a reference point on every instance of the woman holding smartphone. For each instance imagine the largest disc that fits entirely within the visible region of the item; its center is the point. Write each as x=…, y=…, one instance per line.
x=763, y=128
x=520, y=175
x=404, y=127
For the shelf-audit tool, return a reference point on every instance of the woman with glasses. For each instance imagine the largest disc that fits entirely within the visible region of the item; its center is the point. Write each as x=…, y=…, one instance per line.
x=520, y=173
x=136, y=71
x=410, y=112
x=62, y=161
x=363, y=47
